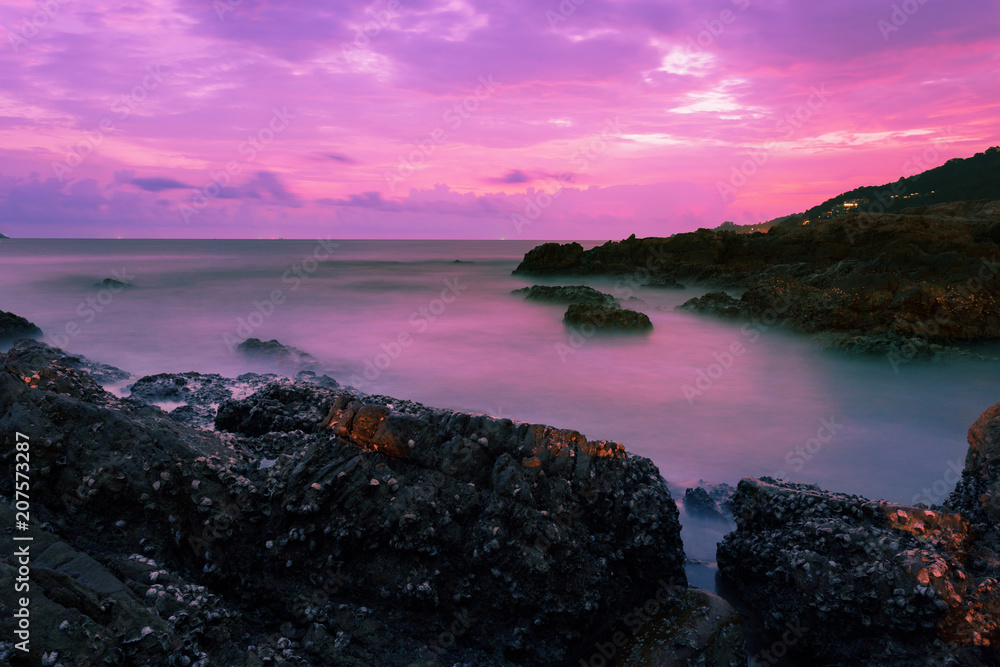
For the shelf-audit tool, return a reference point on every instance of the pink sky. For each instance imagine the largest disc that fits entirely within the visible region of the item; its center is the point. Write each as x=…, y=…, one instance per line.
x=589, y=119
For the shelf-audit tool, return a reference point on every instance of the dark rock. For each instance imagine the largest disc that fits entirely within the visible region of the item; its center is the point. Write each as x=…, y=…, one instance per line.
x=35, y=354
x=698, y=503
x=977, y=494
x=201, y=395
x=714, y=303
x=114, y=285
x=278, y=407
x=273, y=351
x=551, y=258
x=721, y=493
x=868, y=582
x=992, y=233
x=104, y=374
x=567, y=295
x=603, y=318
x=663, y=282
x=931, y=273
x=359, y=543
x=92, y=612
x=693, y=627
x=14, y=326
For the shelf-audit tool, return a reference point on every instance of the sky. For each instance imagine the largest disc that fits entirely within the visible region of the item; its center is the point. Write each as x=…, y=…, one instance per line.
x=468, y=119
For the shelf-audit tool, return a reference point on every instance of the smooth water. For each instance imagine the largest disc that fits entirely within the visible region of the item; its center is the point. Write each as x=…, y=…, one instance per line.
x=403, y=318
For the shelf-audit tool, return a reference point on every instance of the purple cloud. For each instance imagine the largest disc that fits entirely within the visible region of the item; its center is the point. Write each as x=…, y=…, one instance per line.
x=697, y=89
x=512, y=176
x=338, y=157
x=158, y=183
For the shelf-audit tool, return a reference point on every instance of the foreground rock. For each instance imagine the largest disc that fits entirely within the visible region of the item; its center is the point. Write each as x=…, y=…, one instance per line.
x=325, y=526
x=14, y=326
x=603, y=318
x=928, y=275
x=194, y=398
x=691, y=627
x=871, y=582
x=567, y=295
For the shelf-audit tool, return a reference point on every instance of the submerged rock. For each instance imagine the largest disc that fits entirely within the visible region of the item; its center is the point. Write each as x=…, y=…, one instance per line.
x=14, y=326
x=567, y=295
x=603, y=318
x=113, y=284
x=275, y=352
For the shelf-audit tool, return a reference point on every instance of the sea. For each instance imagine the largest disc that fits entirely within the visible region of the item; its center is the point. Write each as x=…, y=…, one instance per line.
x=708, y=400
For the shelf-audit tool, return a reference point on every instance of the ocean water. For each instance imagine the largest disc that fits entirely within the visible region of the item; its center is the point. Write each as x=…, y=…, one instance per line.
x=703, y=398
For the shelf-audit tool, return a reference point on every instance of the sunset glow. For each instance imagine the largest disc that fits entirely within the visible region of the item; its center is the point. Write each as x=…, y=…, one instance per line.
x=589, y=119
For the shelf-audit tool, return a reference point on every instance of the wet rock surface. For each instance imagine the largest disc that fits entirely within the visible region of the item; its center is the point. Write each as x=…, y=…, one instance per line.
x=604, y=318
x=195, y=398
x=928, y=275
x=14, y=326
x=323, y=527
x=566, y=295
x=872, y=582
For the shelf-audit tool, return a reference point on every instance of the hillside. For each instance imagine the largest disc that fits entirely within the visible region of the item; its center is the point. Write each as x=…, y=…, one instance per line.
x=977, y=177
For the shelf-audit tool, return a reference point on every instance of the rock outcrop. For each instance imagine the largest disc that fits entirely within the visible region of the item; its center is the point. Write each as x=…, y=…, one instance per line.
x=566, y=295
x=928, y=276
x=719, y=304
x=698, y=503
x=276, y=353
x=14, y=326
x=323, y=527
x=114, y=285
x=690, y=627
x=604, y=318
x=872, y=582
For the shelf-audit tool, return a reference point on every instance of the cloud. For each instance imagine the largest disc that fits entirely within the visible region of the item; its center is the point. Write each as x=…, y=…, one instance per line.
x=406, y=96
x=269, y=187
x=157, y=183
x=512, y=176
x=338, y=157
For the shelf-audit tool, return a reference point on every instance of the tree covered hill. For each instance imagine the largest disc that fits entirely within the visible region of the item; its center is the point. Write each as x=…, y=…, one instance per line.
x=958, y=179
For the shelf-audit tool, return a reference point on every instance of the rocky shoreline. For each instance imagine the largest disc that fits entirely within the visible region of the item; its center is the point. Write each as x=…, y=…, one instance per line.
x=318, y=525
x=911, y=284
x=308, y=523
